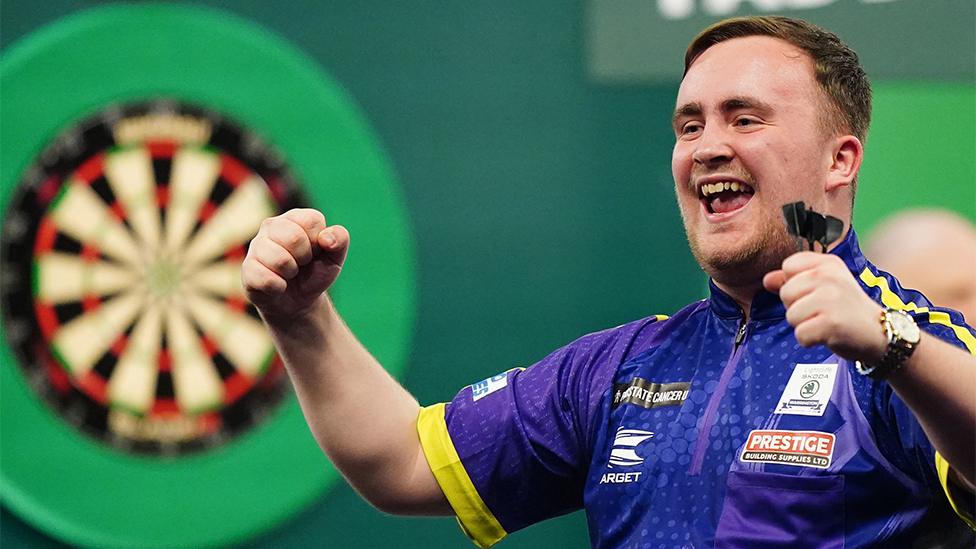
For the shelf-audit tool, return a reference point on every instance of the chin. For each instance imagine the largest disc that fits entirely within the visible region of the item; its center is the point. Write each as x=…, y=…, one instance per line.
x=747, y=263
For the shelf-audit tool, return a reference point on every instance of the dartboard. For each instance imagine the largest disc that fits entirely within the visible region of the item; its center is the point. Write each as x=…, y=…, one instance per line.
x=127, y=242
x=142, y=402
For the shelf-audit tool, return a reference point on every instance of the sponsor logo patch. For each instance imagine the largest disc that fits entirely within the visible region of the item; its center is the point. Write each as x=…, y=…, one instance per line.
x=649, y=394
x=488, y=386
x=624, y=454
x=808, y=390
x=624, y=451
x=800, y=448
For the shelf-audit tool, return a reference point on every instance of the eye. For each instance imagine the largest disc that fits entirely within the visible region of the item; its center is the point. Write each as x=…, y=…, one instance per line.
x=691, y=128
x=745, y=122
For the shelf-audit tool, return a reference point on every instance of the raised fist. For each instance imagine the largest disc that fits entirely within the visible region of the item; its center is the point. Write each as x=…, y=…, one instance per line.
x=826, y=306
x=293, y=259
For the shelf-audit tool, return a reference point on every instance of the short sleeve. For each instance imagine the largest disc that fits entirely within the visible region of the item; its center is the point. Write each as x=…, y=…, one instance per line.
x=916, y=450
x=513, y=449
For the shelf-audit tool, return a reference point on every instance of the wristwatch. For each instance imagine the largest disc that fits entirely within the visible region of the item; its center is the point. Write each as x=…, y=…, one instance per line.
x=903, y=335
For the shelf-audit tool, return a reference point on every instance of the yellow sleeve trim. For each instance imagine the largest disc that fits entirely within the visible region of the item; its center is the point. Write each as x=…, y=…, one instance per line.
x=942, y=467
x=891, y=299
x=476, y=520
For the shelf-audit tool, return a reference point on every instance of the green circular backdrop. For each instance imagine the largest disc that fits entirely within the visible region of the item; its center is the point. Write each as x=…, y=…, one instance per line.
x=83, y=492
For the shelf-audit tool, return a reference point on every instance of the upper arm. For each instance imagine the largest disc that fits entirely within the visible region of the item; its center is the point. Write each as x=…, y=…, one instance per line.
x=514, y=449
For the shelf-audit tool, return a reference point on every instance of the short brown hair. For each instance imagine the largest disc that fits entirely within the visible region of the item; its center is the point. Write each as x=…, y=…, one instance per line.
x=836, y=66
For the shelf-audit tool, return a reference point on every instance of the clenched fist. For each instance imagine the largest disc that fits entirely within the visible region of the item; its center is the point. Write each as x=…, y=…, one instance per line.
x=826, y=306
x=293, y=259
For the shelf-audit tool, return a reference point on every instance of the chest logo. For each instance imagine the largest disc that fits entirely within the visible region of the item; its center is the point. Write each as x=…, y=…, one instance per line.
x=808, y=390
x=624, y=454
x=649, y=394
x=624, y=451
x=800, y=448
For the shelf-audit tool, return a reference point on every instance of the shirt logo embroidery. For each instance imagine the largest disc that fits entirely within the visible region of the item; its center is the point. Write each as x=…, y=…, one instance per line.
x=808, y=390
x=624, y=451
x=649, y=394
x=800, y=448
x=624, y=454
x=488, y=386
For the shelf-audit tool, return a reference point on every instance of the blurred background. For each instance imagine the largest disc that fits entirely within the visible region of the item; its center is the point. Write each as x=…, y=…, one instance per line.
x=526, y=146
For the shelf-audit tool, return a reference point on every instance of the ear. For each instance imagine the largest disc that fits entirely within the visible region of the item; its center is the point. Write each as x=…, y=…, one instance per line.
x=847, y=154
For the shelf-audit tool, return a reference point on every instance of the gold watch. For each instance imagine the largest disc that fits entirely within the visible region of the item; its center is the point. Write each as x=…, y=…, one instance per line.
x=903, y=336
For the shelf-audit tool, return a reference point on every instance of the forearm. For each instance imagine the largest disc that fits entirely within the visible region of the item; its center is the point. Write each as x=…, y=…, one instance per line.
x=363, y=420
x=938, y=383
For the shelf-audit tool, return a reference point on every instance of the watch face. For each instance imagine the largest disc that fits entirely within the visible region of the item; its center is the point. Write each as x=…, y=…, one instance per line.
x=904, y=326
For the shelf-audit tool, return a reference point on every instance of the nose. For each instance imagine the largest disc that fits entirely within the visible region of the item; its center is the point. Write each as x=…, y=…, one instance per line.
x=712, y=148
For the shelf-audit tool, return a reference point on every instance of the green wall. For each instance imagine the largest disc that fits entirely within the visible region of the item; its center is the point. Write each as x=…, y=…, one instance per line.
x=541, y=202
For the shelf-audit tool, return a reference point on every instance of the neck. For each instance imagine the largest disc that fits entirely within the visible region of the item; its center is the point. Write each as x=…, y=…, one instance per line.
x=744, y=291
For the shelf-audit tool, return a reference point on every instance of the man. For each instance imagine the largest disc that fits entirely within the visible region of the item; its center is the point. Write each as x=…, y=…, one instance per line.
x=790, y=408
x=933, y=251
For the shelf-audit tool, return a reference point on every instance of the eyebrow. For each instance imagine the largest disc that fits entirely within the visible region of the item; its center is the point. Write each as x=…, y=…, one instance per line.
x=688, y=109
x=731, y=104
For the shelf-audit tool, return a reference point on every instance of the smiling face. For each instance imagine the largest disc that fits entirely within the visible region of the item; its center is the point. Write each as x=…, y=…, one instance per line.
x=750, y=138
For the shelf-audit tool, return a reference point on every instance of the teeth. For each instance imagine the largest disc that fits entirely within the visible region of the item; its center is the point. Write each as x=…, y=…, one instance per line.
x=712, y=188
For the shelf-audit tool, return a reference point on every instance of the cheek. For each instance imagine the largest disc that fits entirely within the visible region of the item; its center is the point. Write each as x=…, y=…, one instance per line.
x=680, y=164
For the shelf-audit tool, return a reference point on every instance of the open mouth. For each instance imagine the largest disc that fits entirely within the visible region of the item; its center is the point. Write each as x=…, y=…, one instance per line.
x=724, y=196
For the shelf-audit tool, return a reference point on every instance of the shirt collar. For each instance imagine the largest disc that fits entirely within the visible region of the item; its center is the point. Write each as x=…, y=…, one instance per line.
x=767, y=306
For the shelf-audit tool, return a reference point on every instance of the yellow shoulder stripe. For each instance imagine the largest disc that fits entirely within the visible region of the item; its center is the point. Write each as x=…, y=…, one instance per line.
x=476, y=520
x=942, y=467
x=891, y=299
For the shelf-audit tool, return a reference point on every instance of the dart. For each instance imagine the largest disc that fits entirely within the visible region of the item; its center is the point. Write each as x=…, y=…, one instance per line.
x=808, y=225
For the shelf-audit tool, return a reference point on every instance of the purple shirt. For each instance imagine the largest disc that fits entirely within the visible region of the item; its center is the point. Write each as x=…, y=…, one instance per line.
x=699, y=430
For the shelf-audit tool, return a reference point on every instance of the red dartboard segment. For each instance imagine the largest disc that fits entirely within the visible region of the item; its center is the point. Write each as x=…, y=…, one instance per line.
x=207, y=211
x=208, y=345
x=118, y=210
x=94, y=386
x=236, y=254
x=236, y=304
x=165, y=407
x=47, y=232
x=162, y=149
x=56, y=375
x=162, y=196
x=164, y=364
x=89, y=253
x=233, y=171
x=91, y=303
x=118, y=346
x=91, y=170
x=236, y=386
x=47, y=319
